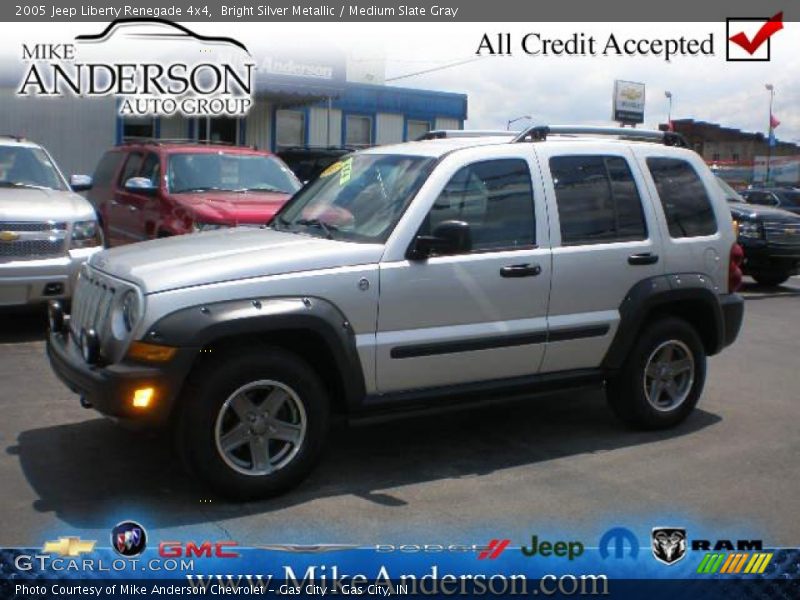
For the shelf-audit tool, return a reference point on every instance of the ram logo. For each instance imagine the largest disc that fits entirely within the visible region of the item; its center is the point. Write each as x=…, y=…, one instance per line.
x=669, y=544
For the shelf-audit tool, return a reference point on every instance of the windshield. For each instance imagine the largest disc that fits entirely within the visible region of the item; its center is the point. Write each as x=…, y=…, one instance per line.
x=24, y=166
x=201, y=172
x=359, y=198
x=790, y=198
x=730, y=194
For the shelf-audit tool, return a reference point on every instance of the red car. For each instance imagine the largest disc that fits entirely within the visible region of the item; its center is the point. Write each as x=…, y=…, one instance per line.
x=150, y=189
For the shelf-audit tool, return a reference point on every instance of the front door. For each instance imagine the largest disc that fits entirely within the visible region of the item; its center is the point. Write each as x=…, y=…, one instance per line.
x=480, y=315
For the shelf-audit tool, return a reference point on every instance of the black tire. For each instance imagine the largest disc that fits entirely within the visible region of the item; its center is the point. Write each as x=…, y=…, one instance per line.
x=204, y=396
x=770, y=279
x=626, y=390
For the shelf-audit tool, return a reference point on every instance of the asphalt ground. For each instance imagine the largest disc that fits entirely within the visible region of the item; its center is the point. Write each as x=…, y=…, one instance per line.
x=559, y=464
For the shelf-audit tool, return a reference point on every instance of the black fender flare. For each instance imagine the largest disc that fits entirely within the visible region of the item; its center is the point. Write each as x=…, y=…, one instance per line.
x=656, y=293
x=201, y=325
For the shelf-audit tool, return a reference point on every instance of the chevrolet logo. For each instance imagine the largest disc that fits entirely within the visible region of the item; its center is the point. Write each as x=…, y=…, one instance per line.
x=8, y=236
x=68, y=546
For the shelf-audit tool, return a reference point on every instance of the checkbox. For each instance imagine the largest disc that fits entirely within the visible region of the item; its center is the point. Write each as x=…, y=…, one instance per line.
x=749, y=27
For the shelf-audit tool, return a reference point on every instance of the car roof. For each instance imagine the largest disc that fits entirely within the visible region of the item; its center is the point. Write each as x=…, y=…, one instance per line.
x=439, y=147
x=189, y=148
x=13, y=140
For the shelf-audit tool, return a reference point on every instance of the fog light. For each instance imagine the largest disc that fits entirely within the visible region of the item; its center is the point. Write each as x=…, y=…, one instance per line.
x=142, y=397
x=90, y=346
x=55, y=317
x=151, y=352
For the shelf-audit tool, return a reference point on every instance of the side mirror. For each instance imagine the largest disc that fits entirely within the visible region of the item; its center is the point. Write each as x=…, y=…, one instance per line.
x=80, y=183
x=449, y=237
x=140, y=185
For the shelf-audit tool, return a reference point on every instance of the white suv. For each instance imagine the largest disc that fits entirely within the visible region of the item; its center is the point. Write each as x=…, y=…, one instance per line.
x=47, y=231
x=413, y=275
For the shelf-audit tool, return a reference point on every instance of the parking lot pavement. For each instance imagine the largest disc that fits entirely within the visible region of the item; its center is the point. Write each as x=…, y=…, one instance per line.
x=559, y=464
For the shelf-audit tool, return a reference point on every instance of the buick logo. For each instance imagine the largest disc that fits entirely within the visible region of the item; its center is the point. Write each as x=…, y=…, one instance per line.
x=129, y=538
x=669, y=544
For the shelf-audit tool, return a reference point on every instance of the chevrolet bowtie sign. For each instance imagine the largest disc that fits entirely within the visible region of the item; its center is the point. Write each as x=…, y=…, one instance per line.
x=68, y=546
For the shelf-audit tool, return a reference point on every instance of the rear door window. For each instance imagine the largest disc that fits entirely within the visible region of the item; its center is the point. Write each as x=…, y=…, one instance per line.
x=106, y=168
x=684, y=198
x=597, y=198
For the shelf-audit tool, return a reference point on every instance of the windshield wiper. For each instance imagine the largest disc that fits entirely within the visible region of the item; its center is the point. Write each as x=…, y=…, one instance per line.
x=201, y=189
x=327, y=228
x=262, y=188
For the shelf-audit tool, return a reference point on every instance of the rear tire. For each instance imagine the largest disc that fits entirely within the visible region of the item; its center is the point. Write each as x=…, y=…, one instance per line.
x=254, y=422
x=770, y=279
x=661, y=381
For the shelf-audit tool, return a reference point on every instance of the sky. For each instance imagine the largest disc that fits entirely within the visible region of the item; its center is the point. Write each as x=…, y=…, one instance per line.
x=553, y=90
x=568, y=89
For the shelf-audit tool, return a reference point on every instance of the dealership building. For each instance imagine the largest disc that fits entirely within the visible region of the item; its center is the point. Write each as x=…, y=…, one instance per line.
x=335, y=101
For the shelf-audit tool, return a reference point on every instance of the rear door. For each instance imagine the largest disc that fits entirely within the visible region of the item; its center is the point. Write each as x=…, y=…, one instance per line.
x=605, y=240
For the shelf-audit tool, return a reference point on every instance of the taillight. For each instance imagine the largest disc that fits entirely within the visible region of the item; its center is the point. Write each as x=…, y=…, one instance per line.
x=735, y=268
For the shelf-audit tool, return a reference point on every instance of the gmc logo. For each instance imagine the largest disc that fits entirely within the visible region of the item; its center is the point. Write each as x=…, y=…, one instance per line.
x=188, y=549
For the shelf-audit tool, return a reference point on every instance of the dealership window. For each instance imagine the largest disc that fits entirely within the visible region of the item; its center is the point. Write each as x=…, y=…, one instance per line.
x=496, y=198
x=735, y=157
x=683, y=196
x=358, y=130
x=138, y=127
x=597, y=199
x=715, y=156
x=220, y=129
x=417, y=129
x=290, y=128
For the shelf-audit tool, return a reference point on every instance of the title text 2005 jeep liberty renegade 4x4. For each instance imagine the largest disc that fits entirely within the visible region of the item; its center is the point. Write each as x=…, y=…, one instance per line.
x=424, y=272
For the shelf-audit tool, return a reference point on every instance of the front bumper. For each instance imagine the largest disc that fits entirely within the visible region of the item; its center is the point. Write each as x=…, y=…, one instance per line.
x=32, y=281
x=732, y=316
x=109, y=389
x=762, y=257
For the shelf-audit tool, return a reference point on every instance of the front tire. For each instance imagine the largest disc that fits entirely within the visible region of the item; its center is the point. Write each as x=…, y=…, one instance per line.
x=253, y=424
x=662, y=379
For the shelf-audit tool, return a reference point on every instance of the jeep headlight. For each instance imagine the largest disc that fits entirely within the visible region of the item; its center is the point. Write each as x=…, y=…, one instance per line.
x=750, y=230
x=86, y=234
x=125, y=315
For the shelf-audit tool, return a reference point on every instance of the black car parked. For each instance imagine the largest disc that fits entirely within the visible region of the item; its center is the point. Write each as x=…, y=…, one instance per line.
x=785, y=198
x=769, y=236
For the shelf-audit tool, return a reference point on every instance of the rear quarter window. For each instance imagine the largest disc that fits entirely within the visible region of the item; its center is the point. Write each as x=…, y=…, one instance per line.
x=683, y=196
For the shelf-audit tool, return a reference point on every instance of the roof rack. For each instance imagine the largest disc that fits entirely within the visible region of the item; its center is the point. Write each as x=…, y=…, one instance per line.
x=438, y=134
x=12, y=136
x=539, y=133
x=162, y=141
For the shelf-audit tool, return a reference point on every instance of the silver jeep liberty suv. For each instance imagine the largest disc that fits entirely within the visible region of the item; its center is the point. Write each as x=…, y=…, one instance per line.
x=431, y=272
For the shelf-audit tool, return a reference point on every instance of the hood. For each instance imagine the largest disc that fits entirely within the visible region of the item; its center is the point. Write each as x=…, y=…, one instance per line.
x=227, y=254
x=233, y=208
x=740, y=210
x=30, y=204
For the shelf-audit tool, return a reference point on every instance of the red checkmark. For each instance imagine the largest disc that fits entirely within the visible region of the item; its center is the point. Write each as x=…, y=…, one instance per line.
x=774, y=25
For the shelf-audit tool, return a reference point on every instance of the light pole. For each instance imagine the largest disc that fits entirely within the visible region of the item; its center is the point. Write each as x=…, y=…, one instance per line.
x=771, y=90
x=508, y=125
x=668, y=96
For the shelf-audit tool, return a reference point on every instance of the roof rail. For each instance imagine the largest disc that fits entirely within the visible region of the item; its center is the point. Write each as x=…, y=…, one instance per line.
x=12, y=136
x=162, y=141
x=539, y=133
x=438, y=134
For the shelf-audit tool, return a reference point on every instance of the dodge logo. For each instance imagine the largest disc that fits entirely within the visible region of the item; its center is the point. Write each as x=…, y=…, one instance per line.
x=669, y=544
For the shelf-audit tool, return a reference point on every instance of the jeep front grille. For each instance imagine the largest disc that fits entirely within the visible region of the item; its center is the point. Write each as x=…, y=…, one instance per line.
x=91, y=304
x=785, y=234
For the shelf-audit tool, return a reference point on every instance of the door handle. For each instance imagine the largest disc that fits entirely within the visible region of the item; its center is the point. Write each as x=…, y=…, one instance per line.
x=525, y=270
x=645, y=258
